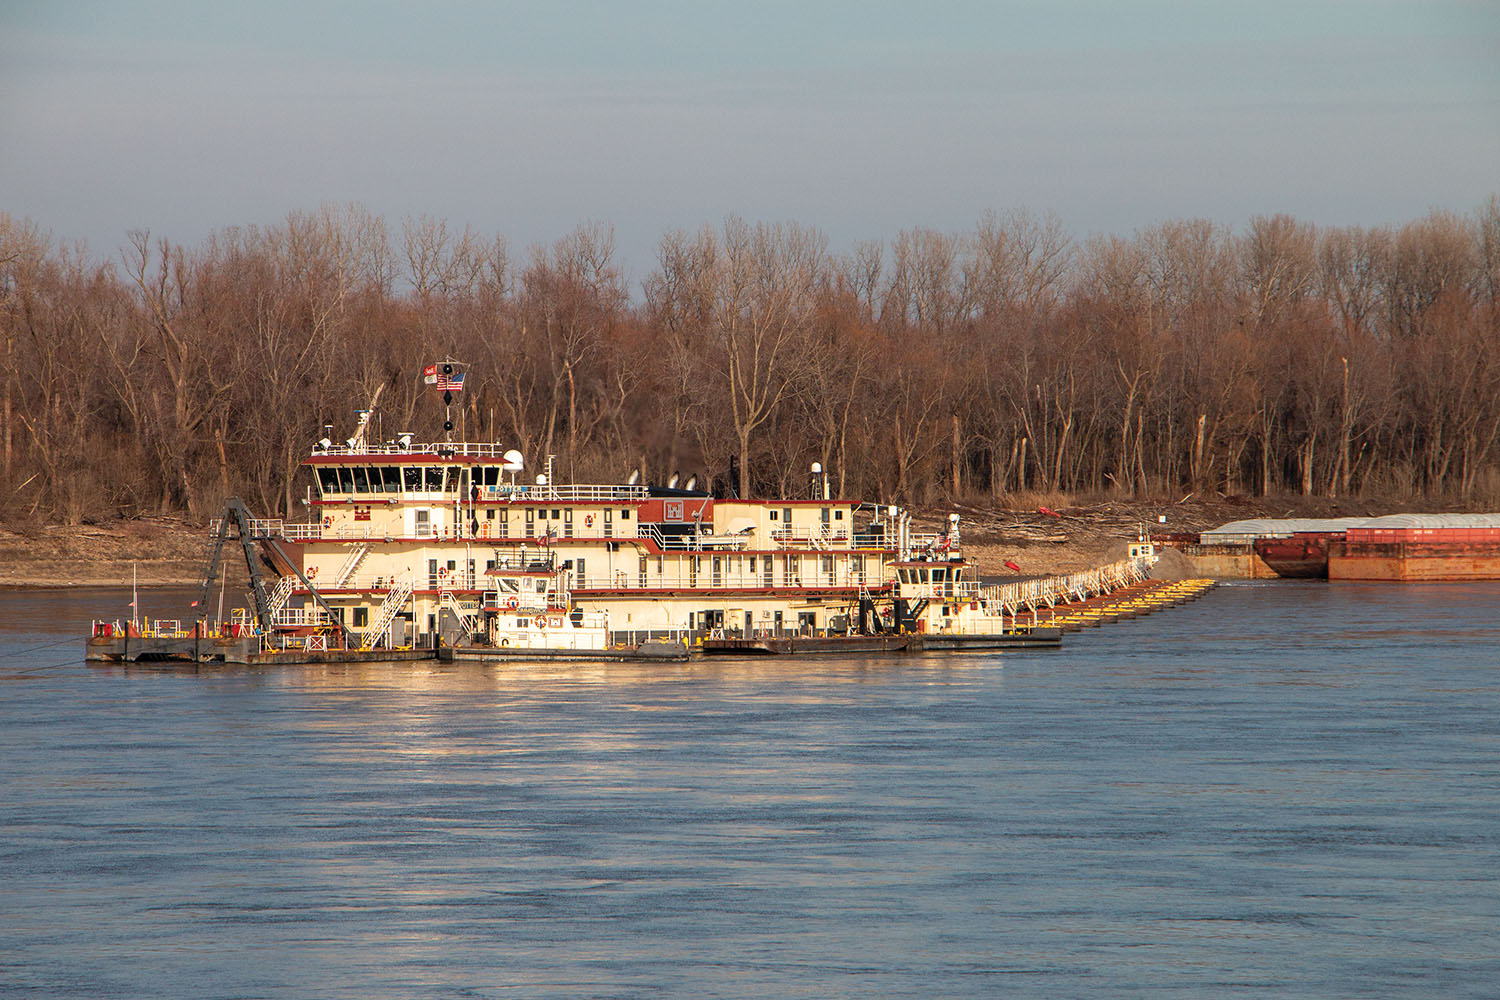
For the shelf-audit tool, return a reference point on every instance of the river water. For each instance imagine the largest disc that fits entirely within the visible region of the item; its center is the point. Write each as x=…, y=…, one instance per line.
x=1286, y=789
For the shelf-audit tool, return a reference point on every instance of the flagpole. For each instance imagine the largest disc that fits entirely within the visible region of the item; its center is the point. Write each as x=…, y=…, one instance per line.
x=135, y=597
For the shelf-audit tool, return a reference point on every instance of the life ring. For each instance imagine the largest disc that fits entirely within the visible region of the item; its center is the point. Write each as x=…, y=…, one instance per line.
x=328, y=521
x=312, y=573
x=442, y=572
x=511, y=603
x=588, y=520
x=540, y=621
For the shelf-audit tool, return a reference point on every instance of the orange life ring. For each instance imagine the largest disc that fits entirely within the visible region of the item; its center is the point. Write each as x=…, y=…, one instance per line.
x=540, y=621
x=442, y=572
x=312, y=573
x=328, y=521
x=588, y=520
x=511, y=603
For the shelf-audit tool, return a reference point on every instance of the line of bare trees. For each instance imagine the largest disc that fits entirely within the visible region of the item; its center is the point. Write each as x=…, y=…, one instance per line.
x=1285, y=358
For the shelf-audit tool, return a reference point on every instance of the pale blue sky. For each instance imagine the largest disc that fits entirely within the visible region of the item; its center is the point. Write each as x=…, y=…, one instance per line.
x=859, y=118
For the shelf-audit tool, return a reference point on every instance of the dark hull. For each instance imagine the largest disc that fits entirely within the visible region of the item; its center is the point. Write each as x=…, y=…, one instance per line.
x=1301, y=557
x=910, y=642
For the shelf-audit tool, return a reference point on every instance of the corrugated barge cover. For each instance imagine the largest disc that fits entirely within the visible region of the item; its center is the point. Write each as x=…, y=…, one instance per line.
x=1428, y=527
x=1245, y=532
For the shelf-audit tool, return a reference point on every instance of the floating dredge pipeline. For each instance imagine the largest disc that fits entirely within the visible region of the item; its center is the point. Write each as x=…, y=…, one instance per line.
x=1128, y=602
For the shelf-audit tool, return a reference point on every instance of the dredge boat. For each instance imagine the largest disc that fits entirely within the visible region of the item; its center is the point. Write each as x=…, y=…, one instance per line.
x=447, y=546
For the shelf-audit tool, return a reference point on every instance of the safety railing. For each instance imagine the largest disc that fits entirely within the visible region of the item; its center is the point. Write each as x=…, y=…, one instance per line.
x=1053, y=590
x=941, y=590
x=725, y=579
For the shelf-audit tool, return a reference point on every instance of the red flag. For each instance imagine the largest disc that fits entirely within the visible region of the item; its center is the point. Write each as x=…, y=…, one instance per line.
x=430, y=374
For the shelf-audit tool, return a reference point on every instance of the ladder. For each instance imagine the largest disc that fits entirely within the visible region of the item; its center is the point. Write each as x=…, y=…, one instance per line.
x=395, y=600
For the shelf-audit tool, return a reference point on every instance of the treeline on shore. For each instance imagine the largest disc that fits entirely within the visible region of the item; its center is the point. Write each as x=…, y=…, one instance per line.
x=1332, y=361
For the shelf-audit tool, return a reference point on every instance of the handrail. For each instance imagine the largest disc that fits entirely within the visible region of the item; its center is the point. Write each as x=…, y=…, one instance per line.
x=1053, y=590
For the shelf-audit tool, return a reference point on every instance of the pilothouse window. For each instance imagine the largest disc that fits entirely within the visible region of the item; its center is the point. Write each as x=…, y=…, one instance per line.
x=328, y=481
x=434, y=478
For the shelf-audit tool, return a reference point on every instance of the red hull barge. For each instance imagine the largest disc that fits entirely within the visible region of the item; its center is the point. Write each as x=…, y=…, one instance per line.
x=1415, y=548
x=1301, y=556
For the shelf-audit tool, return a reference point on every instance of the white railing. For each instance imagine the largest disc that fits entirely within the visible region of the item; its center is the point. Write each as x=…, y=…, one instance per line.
x=300, y=617
x=690, y=542
x=941, y=590
x=442, y=449
x=706, y=579
x=817, y=538
x=1053, y=590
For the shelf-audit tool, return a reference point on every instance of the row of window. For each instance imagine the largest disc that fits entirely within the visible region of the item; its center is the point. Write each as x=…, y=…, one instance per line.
x=410, y=478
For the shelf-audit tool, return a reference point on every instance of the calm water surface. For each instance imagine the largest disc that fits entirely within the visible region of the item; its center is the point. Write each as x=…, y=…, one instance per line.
x=1286, y=790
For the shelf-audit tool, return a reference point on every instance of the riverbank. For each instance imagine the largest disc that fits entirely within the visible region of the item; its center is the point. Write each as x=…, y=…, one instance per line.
x=1043, y=536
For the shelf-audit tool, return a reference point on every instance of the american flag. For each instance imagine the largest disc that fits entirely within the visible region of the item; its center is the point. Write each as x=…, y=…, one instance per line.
x=434, y=376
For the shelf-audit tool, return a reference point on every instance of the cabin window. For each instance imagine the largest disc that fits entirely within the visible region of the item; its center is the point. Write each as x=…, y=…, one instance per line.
x=828, y=568
x=825, y=514
x=568, y=523
x=752, y=565
x=361, y=617
x=581, y=575
x=328, y=481
x=773, y=515
x=625, y=514
x=424, y=523
x=786, y=516
x=346, y=481
x=557, y=514
x=492, y=475
x=838, y=515
x=411, y=476
x=391, y=477
x=433, y=476
x=609, y=523
x=361, y=483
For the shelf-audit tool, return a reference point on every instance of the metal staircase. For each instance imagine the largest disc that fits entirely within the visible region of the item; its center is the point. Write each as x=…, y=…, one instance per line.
x=350, y=565
x=281, y=593
x=466, y=617
x=395, y=600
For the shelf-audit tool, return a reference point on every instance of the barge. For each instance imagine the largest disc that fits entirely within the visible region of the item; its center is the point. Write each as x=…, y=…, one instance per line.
x=1419, y=547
